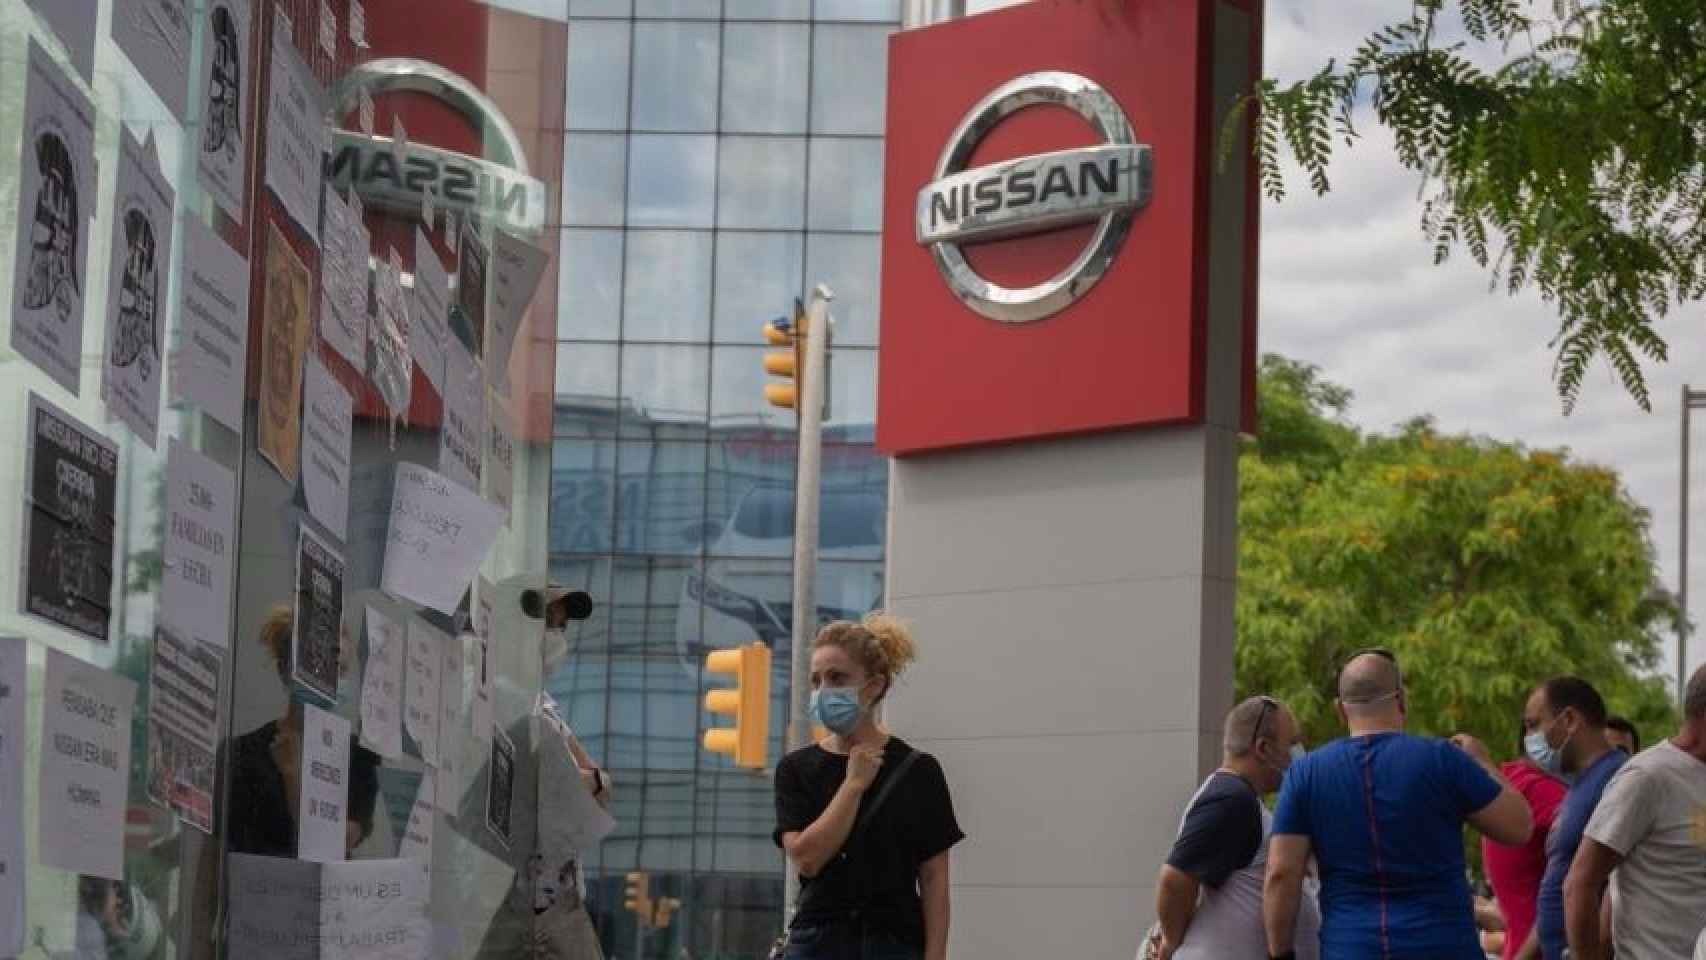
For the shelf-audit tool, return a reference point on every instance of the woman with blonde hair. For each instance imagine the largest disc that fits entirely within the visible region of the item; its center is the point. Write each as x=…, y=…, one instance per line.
x=866, y=818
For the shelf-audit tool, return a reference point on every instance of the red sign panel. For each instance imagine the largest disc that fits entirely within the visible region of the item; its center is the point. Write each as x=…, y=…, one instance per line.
x=1001, y=356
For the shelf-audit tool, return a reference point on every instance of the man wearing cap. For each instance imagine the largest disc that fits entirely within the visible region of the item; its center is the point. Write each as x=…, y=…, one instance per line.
x=1383, y=812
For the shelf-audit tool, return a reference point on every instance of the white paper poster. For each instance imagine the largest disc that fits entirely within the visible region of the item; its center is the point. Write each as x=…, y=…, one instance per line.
x=392, y=368
x=201, y=511
x=326, y=426
x=500, y=785
x=226, y=77
x=577, y=823
x=515, y=272
x=358, y=27
x=56, y=198
x=85, y=767
x=480, y=713
x=183, y=726
x=500, y=455
x=451, y=742
x=296, y=135
x=357, y=910
x=328, y=29
x=213, y=328
x=136, y=291
x=417, y=835
x=430, y=337
x=325, y=786
x=14, y=685
x=421, y=688
x=343, y=280
x=382, y=686
x=155, y=35
x=460, y=444
x=439, y=533
x=73, y=21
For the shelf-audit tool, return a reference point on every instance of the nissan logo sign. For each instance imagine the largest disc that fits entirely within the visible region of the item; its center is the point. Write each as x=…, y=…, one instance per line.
x=1107, y=184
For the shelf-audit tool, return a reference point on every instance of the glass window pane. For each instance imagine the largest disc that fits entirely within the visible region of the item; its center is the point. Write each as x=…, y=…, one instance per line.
x=660, y=504
x=586, y=390
x=592, y=179
x=678, y=9
x=849, y=589
x=758, y=277
x=853, y=388
x=763, y=65
x=597, y=95
x=761, y=183
x=675, y=76
x=767, y=9
x=674, y=180
x=737, y=392
x=590, y=303
x=663, y=390
x=747, y=601
x=583, y=496
x=849, y=79
x=847, y=184
x=668, y=283
x=850, y=264
x=887, y=11
x=601, y=8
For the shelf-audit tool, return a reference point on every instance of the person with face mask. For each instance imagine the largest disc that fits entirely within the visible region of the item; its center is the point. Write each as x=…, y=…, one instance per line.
x=866, y=818
x=1382, y=812
x=1209, y=894
x=1515, y=872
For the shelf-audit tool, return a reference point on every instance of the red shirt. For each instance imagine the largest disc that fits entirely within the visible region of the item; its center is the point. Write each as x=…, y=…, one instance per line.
x=1515, y=872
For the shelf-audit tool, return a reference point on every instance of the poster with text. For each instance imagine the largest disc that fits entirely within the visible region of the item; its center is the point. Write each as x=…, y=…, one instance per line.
x=343, y=279
x=471, y=283
x=73, y=21
x=183, y=725
x=392, y=369
x=286, y=316
x=500, y=784
x=213, y=326
x=14, y=690
x=136, y=299
x=355, y=910
x=327, y=409
x=296, y=134
x=485, y=609
x=451, y=744
x=226, y=77
x=421, y=689
x=382, y=685
x=85, y=767
x=515, y=271
x=430, y=337
x=56, y=199
x=500, y=455
x=439, y=533
x=324, y=804
x=155, y=36
x=315, y=639
x=69, y=507
x=418, y=824
x=460, y=445
x=201, y=513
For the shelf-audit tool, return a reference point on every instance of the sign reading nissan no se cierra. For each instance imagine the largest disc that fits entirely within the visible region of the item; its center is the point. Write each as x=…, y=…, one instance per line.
x=1051, y=237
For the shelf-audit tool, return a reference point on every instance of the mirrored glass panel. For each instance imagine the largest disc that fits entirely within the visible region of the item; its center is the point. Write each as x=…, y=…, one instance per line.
x=591, y=304
x=761, y=183
x=594, y=184
x=675, y=76
x=853, y=386
x=601, y=8
x=664, y=391
x=758, y=277
x=678, y=9
x=737, y=392
x=668, y=284
x=583, y=497
x=762, y=67
x=673, y=180
x=846, y=184
x=597, y=94
x=660, y=501
x=887, y=11
x=586, y=390
x=850, y=265
x=849, y=78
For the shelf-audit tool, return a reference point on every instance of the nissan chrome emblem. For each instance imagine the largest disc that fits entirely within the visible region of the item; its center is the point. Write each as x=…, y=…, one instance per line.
x=1106, y=184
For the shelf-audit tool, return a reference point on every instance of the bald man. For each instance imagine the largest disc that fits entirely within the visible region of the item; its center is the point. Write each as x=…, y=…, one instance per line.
x=1382, y=812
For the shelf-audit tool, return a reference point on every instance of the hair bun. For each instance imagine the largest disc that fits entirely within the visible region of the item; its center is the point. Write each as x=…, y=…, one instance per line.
x=895, y=639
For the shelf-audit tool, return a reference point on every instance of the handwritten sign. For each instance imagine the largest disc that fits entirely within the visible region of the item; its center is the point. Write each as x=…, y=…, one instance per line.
x=325, y=786
x=421, y=689
x=382, y=685
x=297, y=135
x=213, y=336
x=439, y=532
x=293, y=910
x=343, y=279
x=417, y=831
x=201, y=510
x=459, y=441
x=85, y=767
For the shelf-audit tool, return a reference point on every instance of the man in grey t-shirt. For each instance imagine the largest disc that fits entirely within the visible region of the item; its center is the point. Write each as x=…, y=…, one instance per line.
x=1650, y=827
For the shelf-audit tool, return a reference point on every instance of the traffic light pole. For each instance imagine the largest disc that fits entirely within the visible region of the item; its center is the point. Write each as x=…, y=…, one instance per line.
x=807, y=487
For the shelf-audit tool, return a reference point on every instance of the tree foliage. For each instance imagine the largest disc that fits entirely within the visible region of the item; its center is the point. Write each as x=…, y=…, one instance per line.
x=1485, y=566
x=1562, y=143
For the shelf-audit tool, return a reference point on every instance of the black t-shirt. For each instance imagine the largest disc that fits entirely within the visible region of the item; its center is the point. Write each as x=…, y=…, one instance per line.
x=260, y=819
x=874, y=877
x=1222, y=831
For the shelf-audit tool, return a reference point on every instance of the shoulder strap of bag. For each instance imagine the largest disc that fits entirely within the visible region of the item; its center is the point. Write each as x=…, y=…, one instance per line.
x=893, y=781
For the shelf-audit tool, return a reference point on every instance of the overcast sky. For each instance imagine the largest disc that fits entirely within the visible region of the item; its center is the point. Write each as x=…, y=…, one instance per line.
x=1348, y=284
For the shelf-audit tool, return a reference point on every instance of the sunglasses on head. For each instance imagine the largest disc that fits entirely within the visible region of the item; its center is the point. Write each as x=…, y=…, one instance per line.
x=1269, y=704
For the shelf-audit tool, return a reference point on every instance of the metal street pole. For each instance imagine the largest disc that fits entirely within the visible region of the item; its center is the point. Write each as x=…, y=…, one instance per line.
x=818, y=328
x=1690, y=400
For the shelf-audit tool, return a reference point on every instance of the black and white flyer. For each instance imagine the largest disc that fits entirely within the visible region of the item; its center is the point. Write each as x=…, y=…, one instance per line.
x=183, y=722
x=471, y=282
x=319, y=614
x=136, y=299
x=227, y=76
x=68, y=522
x=500, y=788
x=56, y=198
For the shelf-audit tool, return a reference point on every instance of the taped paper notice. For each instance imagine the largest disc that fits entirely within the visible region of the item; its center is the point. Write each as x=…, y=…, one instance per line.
x=326, y=432
x=226, y=78
x=136, y=315
x=430, y=336
x=69, y=506
x=286, y=333
x=343, y=281
x=73, y=21
x=213, y=329
x=439, y=533
x=183, y=721
x=323, y=807
x=356, y=910
x=382, y=685
x=155, y=35
x=515, y=271
x=85, y=767
x=201, y=512
x=421, y=689
x=296, y=135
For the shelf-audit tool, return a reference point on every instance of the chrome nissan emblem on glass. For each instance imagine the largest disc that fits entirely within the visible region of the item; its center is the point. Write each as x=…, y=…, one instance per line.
x=1107, y=184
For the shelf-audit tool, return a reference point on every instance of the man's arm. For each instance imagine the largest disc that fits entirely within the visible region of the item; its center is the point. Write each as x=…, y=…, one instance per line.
x=1506, y=819
x=1282, y=889
x=1584, y=891
x=1175, y=904
x=933, y=885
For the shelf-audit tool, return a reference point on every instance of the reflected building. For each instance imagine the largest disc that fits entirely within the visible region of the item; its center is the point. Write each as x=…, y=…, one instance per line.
x=721, y=156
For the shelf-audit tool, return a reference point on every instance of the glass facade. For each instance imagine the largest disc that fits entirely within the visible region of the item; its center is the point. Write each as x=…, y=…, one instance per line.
x=721, y=157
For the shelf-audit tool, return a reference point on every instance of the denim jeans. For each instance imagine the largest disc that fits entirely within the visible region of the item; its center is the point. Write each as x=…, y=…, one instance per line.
x=846, y=941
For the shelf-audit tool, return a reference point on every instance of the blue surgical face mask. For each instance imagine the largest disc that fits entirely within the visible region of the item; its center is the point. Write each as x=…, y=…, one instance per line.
x=1548, y=757
x=836, y=709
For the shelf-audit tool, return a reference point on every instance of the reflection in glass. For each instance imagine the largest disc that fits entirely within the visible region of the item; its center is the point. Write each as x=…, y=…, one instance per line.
x=849, y=78
x=758, y=277
x=601, y=8
x=583, y=501
x=745, y=601
x=675, y=76
x=849, y=264
x=847, y=184
x=887, y=11
x=668, y=283
x=767, y=9
x=597, y=94
x=664, y=391
x=590, y=304
x=677, y=9
x=586, y=401
x=673, y=180
x=763, y=64
x=660, y=499
x=853, y=387
x=737, y=392
x=593, y=183
x=761, y=183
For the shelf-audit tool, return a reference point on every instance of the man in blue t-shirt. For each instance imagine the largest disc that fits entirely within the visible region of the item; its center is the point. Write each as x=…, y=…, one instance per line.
x=1383, y=812
x=1564, y=726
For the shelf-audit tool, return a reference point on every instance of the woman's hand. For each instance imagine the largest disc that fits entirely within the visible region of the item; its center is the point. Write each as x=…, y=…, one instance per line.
x=863, y=763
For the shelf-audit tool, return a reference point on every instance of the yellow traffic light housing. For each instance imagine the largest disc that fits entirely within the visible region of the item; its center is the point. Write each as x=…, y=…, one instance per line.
x=789, y=364
x=638, y=896
x=748, y=702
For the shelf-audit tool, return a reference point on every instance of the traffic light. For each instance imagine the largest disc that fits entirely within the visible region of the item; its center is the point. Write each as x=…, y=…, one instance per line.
x=638, y=897
x=790, y=363
x=747, y=742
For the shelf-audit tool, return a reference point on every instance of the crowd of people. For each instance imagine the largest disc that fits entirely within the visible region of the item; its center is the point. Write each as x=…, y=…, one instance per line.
x=1592, y=846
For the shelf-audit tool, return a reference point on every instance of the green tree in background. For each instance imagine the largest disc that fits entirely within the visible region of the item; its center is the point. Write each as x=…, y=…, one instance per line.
x=1561, y=142
x=1485, y=566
